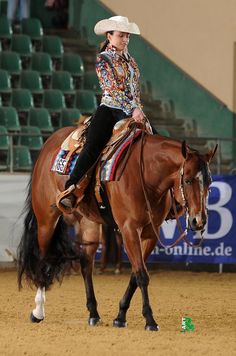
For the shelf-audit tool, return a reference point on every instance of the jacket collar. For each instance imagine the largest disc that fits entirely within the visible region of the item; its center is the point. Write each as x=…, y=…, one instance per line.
x=112, y=51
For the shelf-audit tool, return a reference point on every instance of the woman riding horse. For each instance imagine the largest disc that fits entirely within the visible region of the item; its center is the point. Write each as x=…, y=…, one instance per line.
x=159, y=171
x=118, y=76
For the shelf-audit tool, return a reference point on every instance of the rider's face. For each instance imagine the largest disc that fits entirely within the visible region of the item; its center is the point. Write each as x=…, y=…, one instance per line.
x=119, y=40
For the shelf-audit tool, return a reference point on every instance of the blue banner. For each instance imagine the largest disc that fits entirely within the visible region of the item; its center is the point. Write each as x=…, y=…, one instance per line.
x=219, y=244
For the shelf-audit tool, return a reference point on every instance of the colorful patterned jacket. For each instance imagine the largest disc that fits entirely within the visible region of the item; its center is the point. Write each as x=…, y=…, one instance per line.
x=119, y=80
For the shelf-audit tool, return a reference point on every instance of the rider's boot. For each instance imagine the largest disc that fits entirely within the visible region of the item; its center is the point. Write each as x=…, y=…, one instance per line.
x=69, y=198
x=73, y=195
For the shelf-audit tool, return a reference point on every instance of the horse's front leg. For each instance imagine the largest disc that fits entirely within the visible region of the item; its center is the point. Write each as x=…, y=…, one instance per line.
x=120, y=320
x=38, y=313
x=148, y=240
x=143, y=281
x=138, y=278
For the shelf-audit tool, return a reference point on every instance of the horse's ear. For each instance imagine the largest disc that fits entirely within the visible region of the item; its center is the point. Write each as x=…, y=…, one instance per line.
x=184, y=149
x=209, y=155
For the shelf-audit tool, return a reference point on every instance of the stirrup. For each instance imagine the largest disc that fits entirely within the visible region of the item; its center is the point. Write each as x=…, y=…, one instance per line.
x=68, y=201
x=64, y=200
x=78, y=192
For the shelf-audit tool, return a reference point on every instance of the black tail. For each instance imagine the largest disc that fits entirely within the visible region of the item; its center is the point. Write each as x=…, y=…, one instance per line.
x=38, y=271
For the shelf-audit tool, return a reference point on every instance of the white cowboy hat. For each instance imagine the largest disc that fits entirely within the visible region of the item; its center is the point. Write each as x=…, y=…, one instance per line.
x=116, y=23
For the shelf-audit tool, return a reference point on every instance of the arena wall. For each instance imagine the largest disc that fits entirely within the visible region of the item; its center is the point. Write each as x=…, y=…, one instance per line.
x=198, y=35
x=13, y=195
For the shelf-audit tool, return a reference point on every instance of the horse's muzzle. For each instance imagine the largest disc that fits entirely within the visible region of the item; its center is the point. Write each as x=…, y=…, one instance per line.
x=197, y=223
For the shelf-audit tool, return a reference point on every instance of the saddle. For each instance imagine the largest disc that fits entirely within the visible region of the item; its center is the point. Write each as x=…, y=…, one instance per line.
x=124, y=133
x=66, y=155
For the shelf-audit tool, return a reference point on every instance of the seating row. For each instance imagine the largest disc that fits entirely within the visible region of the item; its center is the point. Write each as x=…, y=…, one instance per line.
x=53, y=100
x=39, y=117
x=42, y=62
x=22, y=155
x=50, y=44
x=30, y=35
x=30, y=26
x=62, y=80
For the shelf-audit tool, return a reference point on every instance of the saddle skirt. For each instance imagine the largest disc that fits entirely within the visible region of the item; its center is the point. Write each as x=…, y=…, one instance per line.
x=124, y=133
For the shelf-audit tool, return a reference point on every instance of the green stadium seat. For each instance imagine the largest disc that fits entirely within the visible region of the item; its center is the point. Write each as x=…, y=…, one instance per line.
x=63, y=81
x=5, y=87
x=70, y=117
x=86, y=101
x=91, y=82
x=54, y=101
x=73, y=63
x=5, y=32
x=22, y=100
x=33, y=140
x=30, y=79
x=53, y=45
x=5, y=84
x=4, y=138
x=22, y=159
x=22, y=45
x=9, y=118
x=33, y=28
x=40, y=117
x=11, y=62
x=42, y=62
x=4, y=148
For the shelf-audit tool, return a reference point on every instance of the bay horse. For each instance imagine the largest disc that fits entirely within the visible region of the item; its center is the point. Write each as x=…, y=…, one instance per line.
x=140, y=201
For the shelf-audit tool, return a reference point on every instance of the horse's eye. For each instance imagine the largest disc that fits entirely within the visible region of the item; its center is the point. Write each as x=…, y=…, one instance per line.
x=188, y=181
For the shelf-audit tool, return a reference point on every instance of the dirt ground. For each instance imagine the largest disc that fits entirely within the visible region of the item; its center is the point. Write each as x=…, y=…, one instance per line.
x=208, y=298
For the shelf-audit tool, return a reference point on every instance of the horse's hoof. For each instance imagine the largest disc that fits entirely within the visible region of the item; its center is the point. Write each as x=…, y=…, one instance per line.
x=33, y=319
x=117, y=271
x=93, y=321
x=119, y=324
x=152, y=327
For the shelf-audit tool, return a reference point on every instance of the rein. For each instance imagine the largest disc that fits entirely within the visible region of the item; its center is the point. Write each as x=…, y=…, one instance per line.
x=183, y=233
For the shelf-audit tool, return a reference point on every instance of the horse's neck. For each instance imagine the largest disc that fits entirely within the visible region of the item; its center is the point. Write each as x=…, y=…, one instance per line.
x=162, y=162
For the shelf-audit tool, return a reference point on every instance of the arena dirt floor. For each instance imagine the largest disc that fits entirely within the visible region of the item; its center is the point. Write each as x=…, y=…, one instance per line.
x=208, y=298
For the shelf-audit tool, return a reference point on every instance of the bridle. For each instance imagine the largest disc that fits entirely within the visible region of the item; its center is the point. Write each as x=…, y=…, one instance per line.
x=183, y=233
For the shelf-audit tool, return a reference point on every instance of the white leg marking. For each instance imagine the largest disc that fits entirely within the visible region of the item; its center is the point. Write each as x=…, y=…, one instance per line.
x=38, y=312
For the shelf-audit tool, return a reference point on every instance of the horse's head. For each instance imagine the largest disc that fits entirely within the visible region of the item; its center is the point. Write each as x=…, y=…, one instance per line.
x=193, y=186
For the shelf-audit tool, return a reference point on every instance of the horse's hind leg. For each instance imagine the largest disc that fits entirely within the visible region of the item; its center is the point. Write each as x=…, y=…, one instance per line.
x=103, y=241
x=89, y=243
x=38, y=314
x=45, y=233
x=119, y=252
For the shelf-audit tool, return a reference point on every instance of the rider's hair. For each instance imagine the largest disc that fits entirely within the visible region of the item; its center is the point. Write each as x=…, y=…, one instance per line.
x=104, y=44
